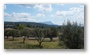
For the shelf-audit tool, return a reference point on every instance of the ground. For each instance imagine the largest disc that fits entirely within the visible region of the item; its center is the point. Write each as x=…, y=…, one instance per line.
x=31, y=44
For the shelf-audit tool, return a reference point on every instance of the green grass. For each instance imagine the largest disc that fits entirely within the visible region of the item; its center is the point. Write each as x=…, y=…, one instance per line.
x=30, y=44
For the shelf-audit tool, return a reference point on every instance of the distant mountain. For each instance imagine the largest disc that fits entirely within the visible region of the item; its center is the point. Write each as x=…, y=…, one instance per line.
x=49, y=23
x=44, y=24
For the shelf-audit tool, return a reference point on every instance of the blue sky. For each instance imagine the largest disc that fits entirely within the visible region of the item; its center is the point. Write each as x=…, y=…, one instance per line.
x=56, y=13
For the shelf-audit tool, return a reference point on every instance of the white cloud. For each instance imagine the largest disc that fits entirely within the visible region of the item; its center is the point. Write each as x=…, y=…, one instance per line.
x=40, y=15
x=22, y=16
x=72, y=11
x=64, y=13
x=40, y=7
x=44, y=7
x=5, y=7
x=27, y=5
x=73, y=14
x=6, y=14
x=76, y=9
x=19, y=17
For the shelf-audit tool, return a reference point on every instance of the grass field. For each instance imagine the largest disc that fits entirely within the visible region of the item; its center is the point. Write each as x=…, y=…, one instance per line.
x=31, y=44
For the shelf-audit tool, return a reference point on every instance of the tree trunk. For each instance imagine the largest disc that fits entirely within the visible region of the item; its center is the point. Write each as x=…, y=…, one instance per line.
x=24, y=40
x=51, y=38
x=40, y=44
x=13, y=38
x=7, y=37
x=27, y=36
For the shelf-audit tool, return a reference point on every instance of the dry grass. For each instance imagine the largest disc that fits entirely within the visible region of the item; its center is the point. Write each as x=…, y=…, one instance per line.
x=30, y=44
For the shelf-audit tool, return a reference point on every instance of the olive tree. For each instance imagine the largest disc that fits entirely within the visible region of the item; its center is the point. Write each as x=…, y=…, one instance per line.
x=14, y=33
x=52, y=32
x=73, y=36
x=21, y=27
x=7, y=33
x=25, y=33
x=40, y=35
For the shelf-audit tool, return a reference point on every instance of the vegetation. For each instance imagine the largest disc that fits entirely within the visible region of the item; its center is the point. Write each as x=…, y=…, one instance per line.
x=31, y=44
x=7, y=33
x=40, y=35
x=36, y=35
x=73, y=36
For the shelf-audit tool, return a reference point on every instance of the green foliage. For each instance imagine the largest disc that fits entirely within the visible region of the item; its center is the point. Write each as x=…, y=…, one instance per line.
x=73, y=36
x=7, y=33
x=14, y=33
x=21, y=27
x=40, y=35
x=28, y=25
x=52, y=32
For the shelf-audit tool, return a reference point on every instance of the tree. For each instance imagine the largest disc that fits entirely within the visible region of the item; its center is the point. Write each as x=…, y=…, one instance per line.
x=14, y=33
x=25, y=33
x=73, y=36
x=40, y=35
x=28, y=26
x=52, y=32
x=21, y=27
x=7, y=33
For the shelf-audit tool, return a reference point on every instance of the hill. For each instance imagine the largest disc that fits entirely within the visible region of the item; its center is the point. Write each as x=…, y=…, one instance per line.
x=31, y=24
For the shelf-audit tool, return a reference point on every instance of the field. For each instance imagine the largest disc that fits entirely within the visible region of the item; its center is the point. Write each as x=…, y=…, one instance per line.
x=31, y=44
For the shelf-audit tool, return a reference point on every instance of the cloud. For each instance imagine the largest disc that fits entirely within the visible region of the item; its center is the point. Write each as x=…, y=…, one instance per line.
x=19, y=17
x=15, y=16
x=27, y=5
x=40, y=15
x=64, y=13
x=73, y=14
x=76, y=9
x=44, y=7
x=40, y=7
x=7, y=15
x=71, y=11
x=5, y=7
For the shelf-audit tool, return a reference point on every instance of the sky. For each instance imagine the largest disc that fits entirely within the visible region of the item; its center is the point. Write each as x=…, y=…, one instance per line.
x=55, y=13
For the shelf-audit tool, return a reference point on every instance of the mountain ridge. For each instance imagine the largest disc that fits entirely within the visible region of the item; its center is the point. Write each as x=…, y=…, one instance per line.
x=48, y=22
x=45, y=22
x=29, y=23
